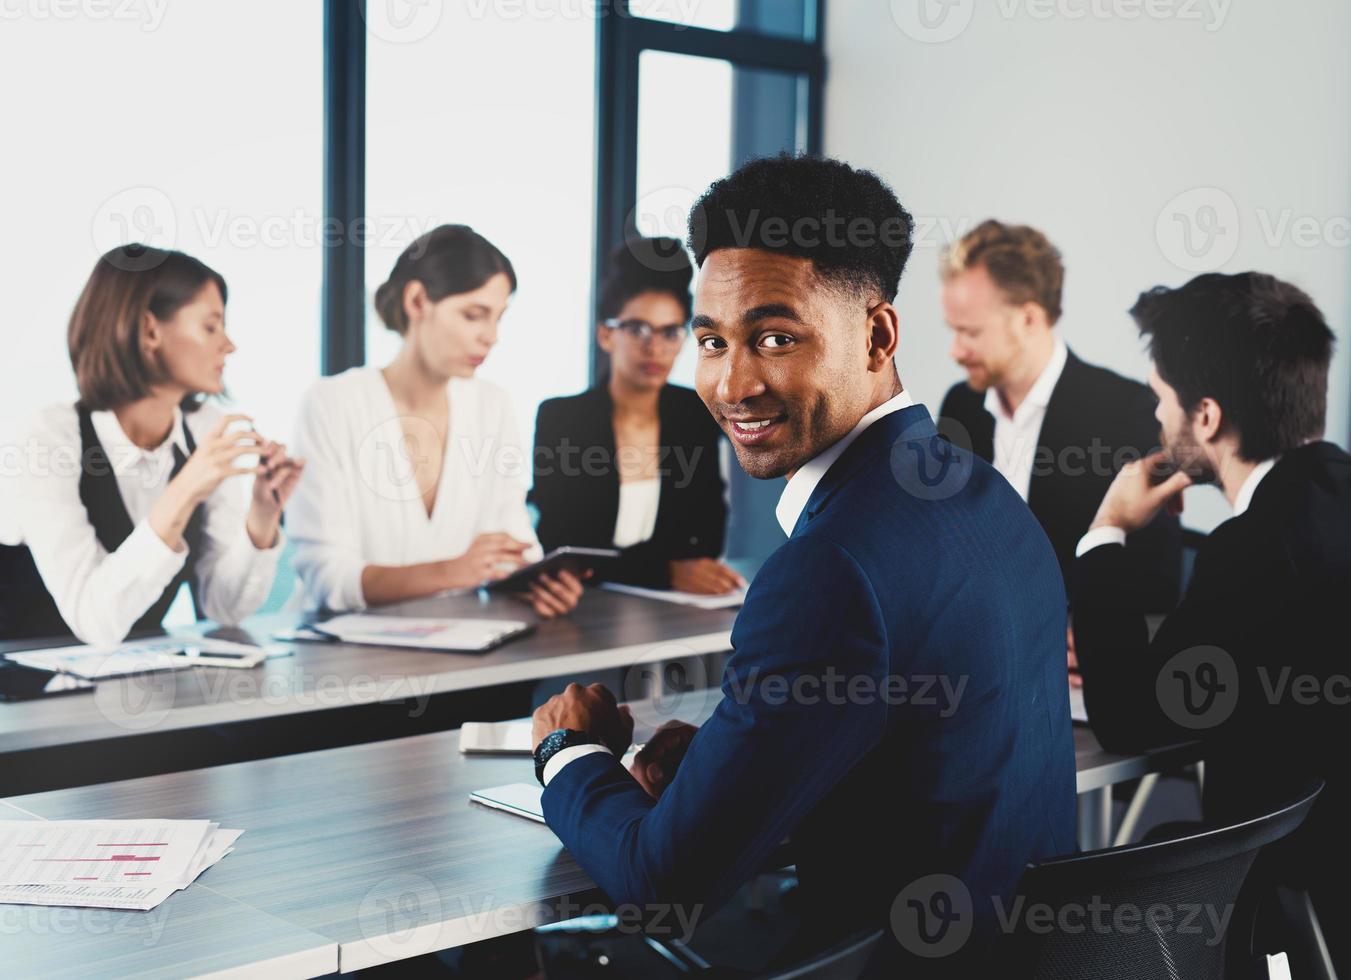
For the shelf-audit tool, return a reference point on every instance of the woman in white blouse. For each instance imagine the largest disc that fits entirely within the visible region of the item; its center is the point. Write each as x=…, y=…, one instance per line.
x=129, y=493
x=416, y=471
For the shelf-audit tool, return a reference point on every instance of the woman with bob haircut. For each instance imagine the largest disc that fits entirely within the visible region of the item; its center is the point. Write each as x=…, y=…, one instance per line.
x=416, y=483
x=131, y=491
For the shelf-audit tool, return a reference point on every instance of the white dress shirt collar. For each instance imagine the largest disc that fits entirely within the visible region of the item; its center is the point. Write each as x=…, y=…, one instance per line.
x=123, y=453
x=1039, y=396
x=799, y=489
x=1245, y=492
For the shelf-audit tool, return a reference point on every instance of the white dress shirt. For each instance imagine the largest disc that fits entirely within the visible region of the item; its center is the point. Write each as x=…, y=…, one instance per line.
x=637, y=517
x=1015, y=436
x=102, y=595
x=1115, y=535
x=359, y=503
x=799, y=489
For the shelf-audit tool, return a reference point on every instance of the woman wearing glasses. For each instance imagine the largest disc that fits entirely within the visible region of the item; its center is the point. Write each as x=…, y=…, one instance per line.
x=633, y=462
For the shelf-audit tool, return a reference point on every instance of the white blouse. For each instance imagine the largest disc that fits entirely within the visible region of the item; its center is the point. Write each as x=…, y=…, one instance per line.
x=359, y=503
x=637, y=518
x=99, y=594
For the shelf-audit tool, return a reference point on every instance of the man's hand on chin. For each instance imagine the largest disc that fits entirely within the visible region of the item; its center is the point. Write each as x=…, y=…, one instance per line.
x=591, y=709
x=1137, y=494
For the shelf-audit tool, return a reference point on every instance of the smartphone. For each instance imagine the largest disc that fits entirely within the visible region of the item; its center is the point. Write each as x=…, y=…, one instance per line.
x=20, y=683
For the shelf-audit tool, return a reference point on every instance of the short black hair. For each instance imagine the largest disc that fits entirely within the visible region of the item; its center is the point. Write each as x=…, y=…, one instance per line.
x=1256, y=345
x=645, y=265
x=846, y=221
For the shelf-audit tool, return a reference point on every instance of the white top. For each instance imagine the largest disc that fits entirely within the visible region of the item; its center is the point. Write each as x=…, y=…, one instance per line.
x=359, y=503
x=637, y=519
x=1115, y=535
x=1015, y=436
x=102, y=595
x=799, y=489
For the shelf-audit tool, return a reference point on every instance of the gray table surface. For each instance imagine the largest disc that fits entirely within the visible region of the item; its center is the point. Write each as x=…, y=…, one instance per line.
x=377, y=848
x=606, y=631
x=196, y=932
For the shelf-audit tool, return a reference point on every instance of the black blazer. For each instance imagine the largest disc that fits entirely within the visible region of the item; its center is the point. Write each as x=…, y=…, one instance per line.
x=577, y=482
x=1095, y=423
x=1266, y=606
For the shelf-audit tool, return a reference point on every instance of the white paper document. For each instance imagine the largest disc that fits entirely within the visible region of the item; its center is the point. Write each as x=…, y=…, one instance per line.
x=158, y=653
x=1078, y=712
x=455, y=635
x=117, y=864
x=694, y=599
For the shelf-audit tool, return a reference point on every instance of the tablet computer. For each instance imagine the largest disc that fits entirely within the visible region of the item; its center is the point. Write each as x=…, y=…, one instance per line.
x=575, y=560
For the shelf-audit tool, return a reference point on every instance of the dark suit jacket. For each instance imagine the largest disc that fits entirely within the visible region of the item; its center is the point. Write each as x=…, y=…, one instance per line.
x=577, y=482
x=1096, y=422
x=1266, y=606
x=836, y=728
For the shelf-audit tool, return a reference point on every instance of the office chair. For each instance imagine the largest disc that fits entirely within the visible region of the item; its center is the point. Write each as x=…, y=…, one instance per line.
x=1204, y=870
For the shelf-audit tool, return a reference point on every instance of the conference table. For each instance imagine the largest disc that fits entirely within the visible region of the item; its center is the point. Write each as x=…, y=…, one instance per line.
x=350, y=857
x=607, y=631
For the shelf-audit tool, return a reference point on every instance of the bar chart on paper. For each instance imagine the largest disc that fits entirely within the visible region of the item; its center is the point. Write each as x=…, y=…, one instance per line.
x=122, y=852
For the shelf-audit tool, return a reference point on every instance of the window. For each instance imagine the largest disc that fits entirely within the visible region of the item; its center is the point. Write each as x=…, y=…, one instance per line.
x=148, y=130
x=488, y=120
x=688, y=92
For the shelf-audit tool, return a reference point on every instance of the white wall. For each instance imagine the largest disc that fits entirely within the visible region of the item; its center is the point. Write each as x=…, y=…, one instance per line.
x=1088, y=119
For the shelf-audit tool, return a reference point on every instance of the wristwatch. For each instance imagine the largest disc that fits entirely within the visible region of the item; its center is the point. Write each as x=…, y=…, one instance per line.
x=555, y=742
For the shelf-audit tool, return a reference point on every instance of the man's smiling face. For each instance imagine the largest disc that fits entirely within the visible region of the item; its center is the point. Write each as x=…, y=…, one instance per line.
x=783, y=357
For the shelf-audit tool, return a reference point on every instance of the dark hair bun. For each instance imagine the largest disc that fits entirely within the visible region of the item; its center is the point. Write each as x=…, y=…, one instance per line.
x=646, y=265
x=448, y=260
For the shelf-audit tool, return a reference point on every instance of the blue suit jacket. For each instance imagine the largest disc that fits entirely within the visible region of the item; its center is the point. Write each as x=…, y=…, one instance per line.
x=896, y=705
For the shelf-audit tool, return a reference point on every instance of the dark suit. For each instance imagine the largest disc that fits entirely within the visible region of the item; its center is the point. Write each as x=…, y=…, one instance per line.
x=1269, y=590
x=577, y=482
x=883, y=581
x=1096, y=422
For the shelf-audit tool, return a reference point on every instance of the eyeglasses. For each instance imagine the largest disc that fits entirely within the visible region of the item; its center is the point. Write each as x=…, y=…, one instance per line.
x=641, y=330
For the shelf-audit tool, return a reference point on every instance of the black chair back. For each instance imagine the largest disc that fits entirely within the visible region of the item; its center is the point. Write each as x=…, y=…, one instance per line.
x=1165, y=909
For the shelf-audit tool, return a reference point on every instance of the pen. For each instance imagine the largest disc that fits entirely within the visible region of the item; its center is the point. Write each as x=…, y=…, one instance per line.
x=276, y=497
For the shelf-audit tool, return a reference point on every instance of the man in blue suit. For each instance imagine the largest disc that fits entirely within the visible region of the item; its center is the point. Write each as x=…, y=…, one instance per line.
x=895, y=706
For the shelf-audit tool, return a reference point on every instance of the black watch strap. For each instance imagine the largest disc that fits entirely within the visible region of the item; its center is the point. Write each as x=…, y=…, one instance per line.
x=555, y=742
